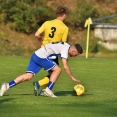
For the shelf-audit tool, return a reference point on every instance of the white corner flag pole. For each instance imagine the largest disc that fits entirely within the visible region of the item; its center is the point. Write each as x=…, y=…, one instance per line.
x=87, y=24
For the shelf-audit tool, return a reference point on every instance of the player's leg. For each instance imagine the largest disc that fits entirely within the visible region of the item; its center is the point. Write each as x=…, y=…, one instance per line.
x=43, y=82
x=19, y=79
x=53, y=78
x=31, y=71
x=48, y=64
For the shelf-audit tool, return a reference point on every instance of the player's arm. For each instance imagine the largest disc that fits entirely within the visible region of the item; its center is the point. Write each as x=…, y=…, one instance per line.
x=39, y=36
x=68, y=71
x=39, y=32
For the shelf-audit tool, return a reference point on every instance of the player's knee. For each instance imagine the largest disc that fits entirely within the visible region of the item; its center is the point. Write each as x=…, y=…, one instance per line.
x=59, y=70
x=29, y=76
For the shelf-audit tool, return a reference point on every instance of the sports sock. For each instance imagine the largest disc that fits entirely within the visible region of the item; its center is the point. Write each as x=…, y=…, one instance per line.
x=50, y=85
x=44, y=86
x=44, y=81
x=37, y=84
x=12, y=83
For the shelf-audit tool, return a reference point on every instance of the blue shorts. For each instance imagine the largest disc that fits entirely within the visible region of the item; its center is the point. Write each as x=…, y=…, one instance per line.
x=36, y=64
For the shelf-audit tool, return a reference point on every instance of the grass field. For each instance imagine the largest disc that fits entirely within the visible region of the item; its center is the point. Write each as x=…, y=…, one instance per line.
x=97, y=75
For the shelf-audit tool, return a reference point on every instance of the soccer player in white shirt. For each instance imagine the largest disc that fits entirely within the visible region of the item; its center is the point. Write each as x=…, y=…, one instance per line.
x=40, y=59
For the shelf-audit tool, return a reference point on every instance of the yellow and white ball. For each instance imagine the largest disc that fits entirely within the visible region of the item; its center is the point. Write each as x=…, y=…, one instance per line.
x=79, y=89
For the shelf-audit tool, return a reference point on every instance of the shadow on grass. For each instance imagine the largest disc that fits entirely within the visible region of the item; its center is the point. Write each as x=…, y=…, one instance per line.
x=24, y=94
x=66, y=93
x=58, y=93
x=6, y=100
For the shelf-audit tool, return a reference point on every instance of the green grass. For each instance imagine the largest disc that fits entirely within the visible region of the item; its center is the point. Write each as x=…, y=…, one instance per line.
x=97, y=75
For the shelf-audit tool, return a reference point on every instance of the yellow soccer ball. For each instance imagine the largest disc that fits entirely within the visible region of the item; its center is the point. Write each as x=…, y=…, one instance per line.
x=79, y=89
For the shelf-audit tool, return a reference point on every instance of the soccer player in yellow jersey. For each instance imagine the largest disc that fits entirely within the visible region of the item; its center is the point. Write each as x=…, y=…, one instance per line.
x=54, y=31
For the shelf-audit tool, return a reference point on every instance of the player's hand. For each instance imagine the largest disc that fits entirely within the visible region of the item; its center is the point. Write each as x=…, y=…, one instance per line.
x=40, y=38
x=76, y=80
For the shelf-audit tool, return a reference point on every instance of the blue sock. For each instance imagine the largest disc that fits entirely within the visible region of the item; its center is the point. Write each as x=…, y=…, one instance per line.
x=12, y=83
x=50, y=85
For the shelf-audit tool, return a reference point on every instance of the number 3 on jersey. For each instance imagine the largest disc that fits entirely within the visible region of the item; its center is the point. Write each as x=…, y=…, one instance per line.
x=53, y=30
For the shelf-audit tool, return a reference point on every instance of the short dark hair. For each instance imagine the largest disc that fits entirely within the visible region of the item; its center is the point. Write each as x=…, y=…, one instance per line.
x=79, y=48
x=61, y=10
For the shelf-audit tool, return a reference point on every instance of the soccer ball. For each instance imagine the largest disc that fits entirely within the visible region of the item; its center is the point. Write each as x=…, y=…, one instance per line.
x=79, y=89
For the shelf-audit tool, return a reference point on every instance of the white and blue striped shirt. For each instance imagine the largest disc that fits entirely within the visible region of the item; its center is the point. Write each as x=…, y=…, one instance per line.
x=54, y=49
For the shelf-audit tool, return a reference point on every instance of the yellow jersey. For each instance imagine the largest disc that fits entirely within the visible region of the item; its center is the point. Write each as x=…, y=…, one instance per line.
x=54, y=31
